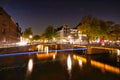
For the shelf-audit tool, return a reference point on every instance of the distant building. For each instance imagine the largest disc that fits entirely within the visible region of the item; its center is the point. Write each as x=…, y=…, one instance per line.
x=74, y=33
x=70, y=35
x=10, y=31
x=62, y=33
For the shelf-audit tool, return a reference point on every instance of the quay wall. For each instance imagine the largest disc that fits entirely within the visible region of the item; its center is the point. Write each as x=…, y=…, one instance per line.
x=96, y=50
x=17, y=49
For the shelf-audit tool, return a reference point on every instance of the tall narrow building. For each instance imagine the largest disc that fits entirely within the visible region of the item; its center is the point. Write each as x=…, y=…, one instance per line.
x=10, y=31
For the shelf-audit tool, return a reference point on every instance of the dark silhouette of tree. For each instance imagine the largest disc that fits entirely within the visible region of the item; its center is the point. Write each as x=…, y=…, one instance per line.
x=50, y=32
x=27, y=32
x=36, y=37
x=115, y=32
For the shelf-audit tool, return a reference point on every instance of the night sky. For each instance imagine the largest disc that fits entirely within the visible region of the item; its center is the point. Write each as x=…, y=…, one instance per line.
x=39, y=14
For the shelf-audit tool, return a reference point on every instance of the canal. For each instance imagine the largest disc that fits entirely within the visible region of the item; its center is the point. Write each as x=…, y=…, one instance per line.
x=65, y=65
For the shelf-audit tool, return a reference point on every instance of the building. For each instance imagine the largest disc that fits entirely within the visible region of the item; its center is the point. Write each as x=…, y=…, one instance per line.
x=74, y=36
x=62, y=33
x=70, y=35
x=10, y=31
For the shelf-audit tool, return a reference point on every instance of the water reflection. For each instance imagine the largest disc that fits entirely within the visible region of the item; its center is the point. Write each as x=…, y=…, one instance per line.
x=69, y=65
x=104, y=67
x=54, y=56
x=29, y=67
x=80, y=58
x=44, y=56
x=80, y=63
x=118, y=52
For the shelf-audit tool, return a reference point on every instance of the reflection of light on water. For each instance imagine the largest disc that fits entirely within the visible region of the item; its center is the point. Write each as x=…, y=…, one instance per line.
x=30, y=67
x=80, y=63
x=80, y=58
x=54, y=56
x=105, y=66
x=97, y=64
x=46, y=49
x=43, y=56
x=118, y=52
x=69, y=63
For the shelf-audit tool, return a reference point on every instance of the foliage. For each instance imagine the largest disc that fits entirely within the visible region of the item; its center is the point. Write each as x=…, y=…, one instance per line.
x=50, y=32
x=114, y=32
x=27, y=32
x=93, y=27
x=36, y=37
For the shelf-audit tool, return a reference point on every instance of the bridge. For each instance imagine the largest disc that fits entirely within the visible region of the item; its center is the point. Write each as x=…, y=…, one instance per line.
x=34, y=47
x=98, y=49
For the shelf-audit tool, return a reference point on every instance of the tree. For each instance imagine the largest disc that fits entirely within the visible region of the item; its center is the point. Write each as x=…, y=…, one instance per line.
x=90, y=26
x=104, y=29
x=36, y=37
x=27, y=32
x=50, y=32
x=115, y=32
x=43, y=37
x=94, y=27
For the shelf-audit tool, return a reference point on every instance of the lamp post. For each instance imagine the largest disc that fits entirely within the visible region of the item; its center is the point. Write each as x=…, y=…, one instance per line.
x=30, y=36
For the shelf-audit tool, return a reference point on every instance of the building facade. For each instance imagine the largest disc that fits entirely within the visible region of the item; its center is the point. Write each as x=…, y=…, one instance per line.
x=70, y=35
x=10, y=31
x=62, y=33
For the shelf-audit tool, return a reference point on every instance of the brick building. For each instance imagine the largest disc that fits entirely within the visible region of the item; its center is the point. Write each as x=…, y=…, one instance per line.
x=10, y=31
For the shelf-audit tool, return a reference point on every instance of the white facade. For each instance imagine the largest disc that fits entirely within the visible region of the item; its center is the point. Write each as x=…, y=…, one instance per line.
x=65, y=34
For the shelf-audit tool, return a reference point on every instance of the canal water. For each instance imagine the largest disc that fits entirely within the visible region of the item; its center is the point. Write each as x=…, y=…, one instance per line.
x=60, y=66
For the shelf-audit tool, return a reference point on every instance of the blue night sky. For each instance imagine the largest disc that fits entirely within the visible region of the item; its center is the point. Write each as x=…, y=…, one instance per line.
x=39, y=14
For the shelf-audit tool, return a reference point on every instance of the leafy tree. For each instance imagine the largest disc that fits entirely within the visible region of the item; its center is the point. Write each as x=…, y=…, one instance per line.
x=27, y=32
x=94, y=27
x=90, y=26
x=36, y=37
x=43, y=37
x=50, y=32
x=104, y=29
x=115, y=32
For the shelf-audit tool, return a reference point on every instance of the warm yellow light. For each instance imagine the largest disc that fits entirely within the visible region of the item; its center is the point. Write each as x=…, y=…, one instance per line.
x=118, y=52
x=69, y=64
x=43, y=56
x=30, y=65
x=80, y=58
x=105, y=66
x=30, y=36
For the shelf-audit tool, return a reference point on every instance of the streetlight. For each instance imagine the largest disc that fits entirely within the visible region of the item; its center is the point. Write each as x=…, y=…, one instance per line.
x=30, y=36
